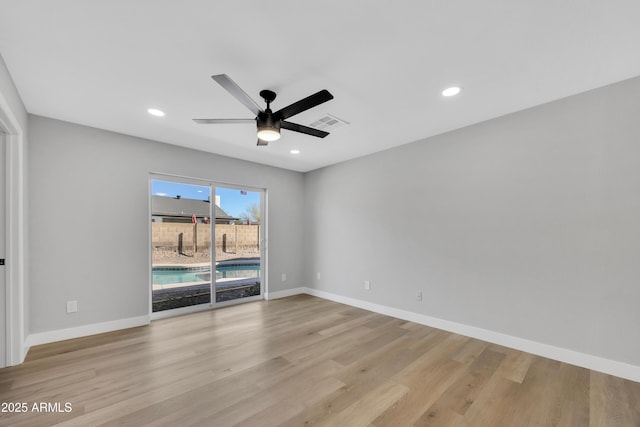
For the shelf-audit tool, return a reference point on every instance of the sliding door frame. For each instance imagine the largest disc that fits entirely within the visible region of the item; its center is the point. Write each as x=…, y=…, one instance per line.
x=213, y=184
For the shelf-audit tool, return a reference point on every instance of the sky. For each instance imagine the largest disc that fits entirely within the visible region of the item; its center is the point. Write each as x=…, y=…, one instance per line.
x=232, y=201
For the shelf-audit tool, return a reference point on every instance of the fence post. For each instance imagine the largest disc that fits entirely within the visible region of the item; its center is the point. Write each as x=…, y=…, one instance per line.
x=195, y=238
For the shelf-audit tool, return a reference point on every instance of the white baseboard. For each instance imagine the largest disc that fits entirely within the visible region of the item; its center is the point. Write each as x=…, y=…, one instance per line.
x=25, y=349
x=84, y=330
x=596, y=363
x=285, y=293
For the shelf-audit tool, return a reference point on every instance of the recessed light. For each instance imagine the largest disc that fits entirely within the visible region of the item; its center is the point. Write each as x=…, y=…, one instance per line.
x=451, y=91
x=295, y=151
x=156, y=112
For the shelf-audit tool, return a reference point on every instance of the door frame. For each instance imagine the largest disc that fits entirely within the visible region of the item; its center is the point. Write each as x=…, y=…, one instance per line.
x=15, y=225
x=213, y=184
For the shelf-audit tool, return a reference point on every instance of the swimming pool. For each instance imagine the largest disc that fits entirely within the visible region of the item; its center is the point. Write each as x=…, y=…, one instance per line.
x=176, y=274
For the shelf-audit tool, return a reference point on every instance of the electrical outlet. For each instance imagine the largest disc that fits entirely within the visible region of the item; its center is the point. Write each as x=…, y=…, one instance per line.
x=367, y=285
x=318, y=275
x=419, y=296
x=284, y=277
x=72, y=306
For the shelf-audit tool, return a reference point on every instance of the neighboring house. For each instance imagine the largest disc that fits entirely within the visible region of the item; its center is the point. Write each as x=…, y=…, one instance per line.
x=176, y=209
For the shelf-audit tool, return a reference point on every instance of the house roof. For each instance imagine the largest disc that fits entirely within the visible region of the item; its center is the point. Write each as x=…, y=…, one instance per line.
x=171, y=206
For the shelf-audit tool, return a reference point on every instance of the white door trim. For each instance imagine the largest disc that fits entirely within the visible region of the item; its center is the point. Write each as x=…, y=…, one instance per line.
x=15, y=234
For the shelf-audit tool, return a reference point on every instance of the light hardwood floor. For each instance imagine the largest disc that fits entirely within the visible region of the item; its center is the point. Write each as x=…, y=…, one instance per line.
x=303, y=361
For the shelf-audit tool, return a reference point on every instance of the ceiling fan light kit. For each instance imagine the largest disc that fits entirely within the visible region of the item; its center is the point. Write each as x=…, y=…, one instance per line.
x=268, y=134
x=268, y=122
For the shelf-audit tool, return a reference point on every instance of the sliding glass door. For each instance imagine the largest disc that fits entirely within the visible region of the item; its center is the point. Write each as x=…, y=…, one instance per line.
x=238, y=243
x=207, y=244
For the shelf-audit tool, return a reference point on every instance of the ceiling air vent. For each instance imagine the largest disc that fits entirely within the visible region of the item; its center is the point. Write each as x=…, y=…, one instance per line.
x=328, y=123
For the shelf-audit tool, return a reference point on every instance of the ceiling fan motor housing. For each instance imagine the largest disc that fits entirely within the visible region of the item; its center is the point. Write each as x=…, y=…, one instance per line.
x=265, y=120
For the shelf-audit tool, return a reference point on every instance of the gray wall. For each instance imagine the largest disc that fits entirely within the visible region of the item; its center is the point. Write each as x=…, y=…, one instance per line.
x=96, y=181
x=527, y=225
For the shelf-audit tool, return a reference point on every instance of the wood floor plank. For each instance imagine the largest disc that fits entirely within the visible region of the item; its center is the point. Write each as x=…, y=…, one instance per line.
x=469, y=351
x=461, y=395
x=439, y=416
x=160, y=393
x=208, y=399
x=369, y=407
x=610, y=401
x=289, y=390
x=494, y=406
x=515, y=365
x=304, y=361
x=360, y=378
x=383, y=335
x=572, y=405
x=426, y=384
x=542, y=385
x=287, y=407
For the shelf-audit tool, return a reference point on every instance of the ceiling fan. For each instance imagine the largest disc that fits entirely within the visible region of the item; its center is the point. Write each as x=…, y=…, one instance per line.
x=268, y=122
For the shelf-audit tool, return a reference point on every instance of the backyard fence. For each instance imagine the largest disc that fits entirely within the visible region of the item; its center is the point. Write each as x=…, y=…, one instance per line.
x=193, y=238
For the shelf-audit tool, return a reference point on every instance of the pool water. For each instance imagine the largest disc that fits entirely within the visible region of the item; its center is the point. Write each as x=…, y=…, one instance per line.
x=166, y=276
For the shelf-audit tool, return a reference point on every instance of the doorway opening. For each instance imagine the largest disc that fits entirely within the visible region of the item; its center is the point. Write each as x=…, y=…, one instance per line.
x=207, y=245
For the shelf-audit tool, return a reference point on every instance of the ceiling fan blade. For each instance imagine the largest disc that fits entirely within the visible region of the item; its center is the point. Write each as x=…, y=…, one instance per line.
x=262, y=142
x=235, y=90
x=218, y=121
x=303, y=129
x=303, y=105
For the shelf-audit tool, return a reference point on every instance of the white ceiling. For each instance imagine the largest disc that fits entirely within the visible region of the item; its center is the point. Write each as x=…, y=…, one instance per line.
x=104, y=63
